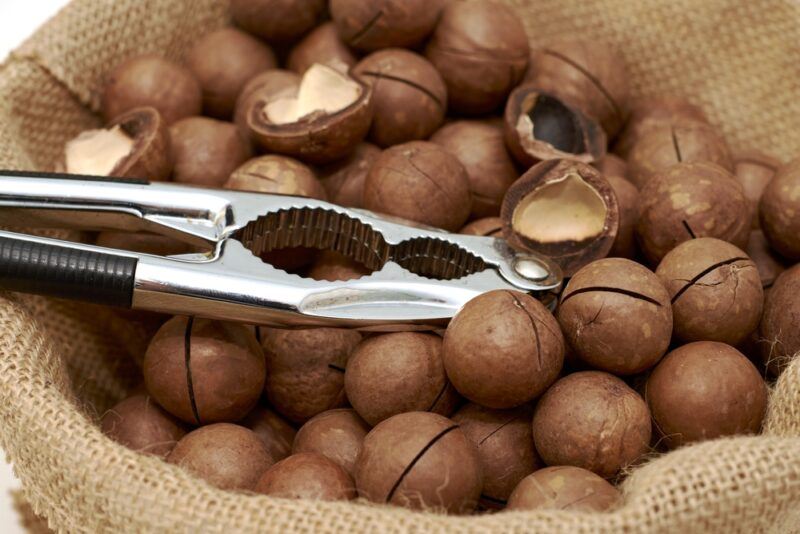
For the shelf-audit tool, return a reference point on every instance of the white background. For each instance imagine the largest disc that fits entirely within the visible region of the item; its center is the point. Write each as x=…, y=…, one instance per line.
x=18, y=19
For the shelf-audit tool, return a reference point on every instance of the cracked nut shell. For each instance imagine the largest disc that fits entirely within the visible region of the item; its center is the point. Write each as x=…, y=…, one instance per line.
x=590, y=74
x=368, y=25
x=715, y=291
x=336, y=434
x=305, y=369
x=277, y=20
x=396, y=373
x=152, y=81
x=322, y=45
x=408, y=96
x=206, y=151
x=269, y=85
x=779, y=211
x=505, y=447
x=754, y=171
x=227, y=456
x=705, y=390
x=151, y=157
x=564, y=487
x=616, y=316
x=480, y=147
x=592, y=420
x=481, y=51
x=778, y=329
x=274, y=431
x=278, y=175
x=420, y=460
x=419, y=181
x=204, y=371
x=503, y=349
x=562, y=209
x=224, y=61
x=140, y=424
x=344, y=180
x=307, y=475
x=539, y=126
x=691, y=200
x=488, y=226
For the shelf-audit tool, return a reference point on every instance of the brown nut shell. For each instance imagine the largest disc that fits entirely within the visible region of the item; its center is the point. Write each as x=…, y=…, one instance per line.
x=224, y=455
x=779, y=332
x=592, y=420
x=503, y=349
x=317, y=138
x=321, y=45
x=269, y=84
x=480, y=147
x=277, y=20
x=204, y=371
x=705, y=390
x=152, y=81
x=305, y=369
x=564, y=487
x=274, y=431
x=396, y=373
x=690, y=200
x=668, y=144
x=368, y=25
x=206, y=151
x=419, y=181
x=767, y=261
x=223, y=61
x=616, y=316
x=307, y=475
x=589, y=73
x=628, y=200
x=333, y=266
x=563, y=209
x=539, y=126
x=715, y=291
x=488, y=226
x=754, y=171
x=420, y=460
x=140, y=424
x=344, y=180
x=151, y=156
x=505, y=448
x=336, y=434
x=278, y=175
x=612, y=165
x=409, y=96
x=779, y=211
x=481, y=50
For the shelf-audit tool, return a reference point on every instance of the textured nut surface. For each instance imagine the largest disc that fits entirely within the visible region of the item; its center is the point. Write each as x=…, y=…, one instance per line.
x=396, y=373
x=628, y=199
x=767, y=261
x=305, y=369
x=754, y=171
x=564, y=488
x=206, y=151
x=505, y=448
x=276, y=174
x=332, y=266
x=592, y=420
x=224, y=455
x=307, y=475
x=336, y=434
x=204, y=371
x=480, y=147
x=715, y=290
x=691, y=200
x=420, y=460
x=655, y=112
x=344, y=180
x=419, y=181
x=368, y=25
x=779, y=324
x=277, y=20
x=779, y=210
x=322, y=45
x=616, y=316
x=502, y=349
x=140, y=424
x=612, y=165
x=481, y=50
x=274, y=431
x=705, y=390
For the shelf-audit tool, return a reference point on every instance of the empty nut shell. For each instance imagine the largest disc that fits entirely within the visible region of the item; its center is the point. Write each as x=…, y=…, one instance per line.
x=781, y=337
x=322, y=45
x=140, y=424
x=481, y=50
x=368, y=25
x=307, y=475
x=592, y=420
x=336, y=434
x=539, y=126
x=616, y=316
x=420, y=460
x=705, y=390
x=715, y=291
x=277, y=20
x=206, y=151
x=564, y=488
x=563, y=209
x=690, y=200
x=151, y=157
x=270, y=84
x=779, y=211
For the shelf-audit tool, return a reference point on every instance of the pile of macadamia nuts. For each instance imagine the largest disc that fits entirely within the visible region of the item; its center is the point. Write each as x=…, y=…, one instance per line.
x=679, y=298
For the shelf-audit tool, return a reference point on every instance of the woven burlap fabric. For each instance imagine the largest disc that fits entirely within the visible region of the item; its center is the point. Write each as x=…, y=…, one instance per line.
x=62, y=364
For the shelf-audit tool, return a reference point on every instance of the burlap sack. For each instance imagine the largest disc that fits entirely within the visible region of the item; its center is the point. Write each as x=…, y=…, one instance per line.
x=62, y=364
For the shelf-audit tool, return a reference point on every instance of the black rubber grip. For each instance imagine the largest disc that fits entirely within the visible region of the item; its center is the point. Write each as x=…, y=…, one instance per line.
x=66, y=272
